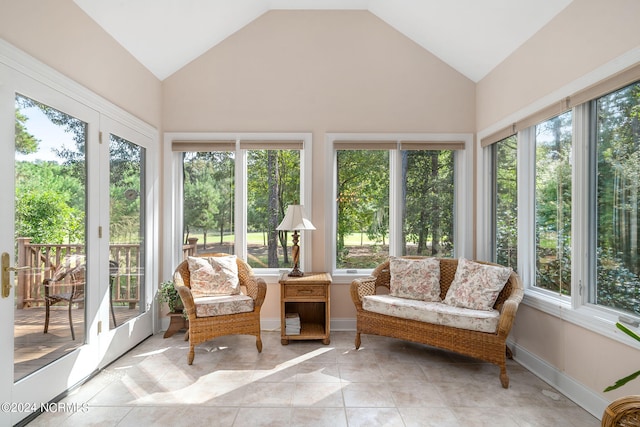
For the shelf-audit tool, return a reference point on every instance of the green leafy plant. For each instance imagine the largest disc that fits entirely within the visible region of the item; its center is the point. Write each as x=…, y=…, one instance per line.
x=167, y=293
x=623, y=381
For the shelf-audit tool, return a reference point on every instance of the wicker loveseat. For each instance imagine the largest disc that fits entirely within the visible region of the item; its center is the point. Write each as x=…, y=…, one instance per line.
x=487, y=346
x=204, y=328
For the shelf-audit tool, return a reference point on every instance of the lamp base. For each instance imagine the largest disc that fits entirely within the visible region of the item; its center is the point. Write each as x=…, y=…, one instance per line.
x=296, y=272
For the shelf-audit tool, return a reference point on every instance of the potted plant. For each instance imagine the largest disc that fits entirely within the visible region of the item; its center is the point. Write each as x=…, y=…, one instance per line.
x=623, y=381
x=167, y=293
x=624, y=411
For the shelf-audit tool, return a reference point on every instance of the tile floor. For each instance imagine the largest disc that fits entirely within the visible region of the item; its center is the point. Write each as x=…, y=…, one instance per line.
x=386, y=383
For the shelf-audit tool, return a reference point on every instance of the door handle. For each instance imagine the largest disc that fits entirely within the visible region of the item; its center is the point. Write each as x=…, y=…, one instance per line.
x=6, y=268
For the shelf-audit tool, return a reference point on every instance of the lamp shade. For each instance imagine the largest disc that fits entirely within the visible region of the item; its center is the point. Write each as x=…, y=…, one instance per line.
x=295, y=219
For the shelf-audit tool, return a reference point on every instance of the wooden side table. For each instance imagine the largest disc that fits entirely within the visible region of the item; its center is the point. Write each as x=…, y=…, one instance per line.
x=309, y=297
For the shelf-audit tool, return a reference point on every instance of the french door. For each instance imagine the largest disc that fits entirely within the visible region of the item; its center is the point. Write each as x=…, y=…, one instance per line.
x=74, y=221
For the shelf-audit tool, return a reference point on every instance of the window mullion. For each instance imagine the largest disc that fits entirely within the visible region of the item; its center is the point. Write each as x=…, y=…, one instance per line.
x=580, y=205
x=395, y=209
x=526, y=205
x=241, y=194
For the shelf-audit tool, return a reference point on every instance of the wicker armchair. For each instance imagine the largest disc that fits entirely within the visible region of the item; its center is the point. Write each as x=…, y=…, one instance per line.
x=490, y=347
x=203, y=329
x=622, y=412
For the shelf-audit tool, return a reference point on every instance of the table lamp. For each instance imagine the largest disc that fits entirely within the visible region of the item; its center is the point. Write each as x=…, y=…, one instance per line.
x=295, y=219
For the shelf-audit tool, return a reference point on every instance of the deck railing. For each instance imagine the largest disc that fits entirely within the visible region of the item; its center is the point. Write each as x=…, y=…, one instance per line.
x=42, y=259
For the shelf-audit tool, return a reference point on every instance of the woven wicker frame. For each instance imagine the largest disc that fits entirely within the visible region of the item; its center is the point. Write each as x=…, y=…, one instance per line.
x=489, y=347
x=203, y=329
x=622, y=412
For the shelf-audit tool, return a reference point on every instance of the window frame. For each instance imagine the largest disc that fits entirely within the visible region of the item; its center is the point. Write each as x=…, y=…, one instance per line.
x=173, y=227
x=463, y=185
x=577, y=96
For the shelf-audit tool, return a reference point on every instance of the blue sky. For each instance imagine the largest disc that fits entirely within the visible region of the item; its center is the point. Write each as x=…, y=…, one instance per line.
x=50, y=136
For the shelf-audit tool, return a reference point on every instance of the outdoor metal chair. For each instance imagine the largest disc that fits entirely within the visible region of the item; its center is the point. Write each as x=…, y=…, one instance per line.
x=66, y=285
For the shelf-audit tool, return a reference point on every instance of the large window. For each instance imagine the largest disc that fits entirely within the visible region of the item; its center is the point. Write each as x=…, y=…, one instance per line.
x=553, y=204
x=617, y=168
x=568, y=206
x=395, y=198
x=235, y=192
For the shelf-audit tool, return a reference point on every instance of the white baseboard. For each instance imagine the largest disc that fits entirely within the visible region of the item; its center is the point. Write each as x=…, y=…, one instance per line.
x=581, y=395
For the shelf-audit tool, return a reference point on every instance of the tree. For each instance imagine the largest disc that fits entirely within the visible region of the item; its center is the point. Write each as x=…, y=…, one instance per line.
x=26, y=143
x=273, y=184
x=363, y=196
x=428, y=200
x=506, y=201
x=46, y=217
x=205, y=193
x=553, y=203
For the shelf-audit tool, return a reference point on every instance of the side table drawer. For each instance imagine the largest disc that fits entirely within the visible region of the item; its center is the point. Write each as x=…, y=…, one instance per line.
x=304, y=291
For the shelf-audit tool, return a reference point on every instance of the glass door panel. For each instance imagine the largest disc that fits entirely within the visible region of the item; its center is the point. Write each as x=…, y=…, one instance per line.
x=50, y=195
x=126, y=230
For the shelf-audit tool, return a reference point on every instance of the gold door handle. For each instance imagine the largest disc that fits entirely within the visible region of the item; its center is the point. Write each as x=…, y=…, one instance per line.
x=6, y=268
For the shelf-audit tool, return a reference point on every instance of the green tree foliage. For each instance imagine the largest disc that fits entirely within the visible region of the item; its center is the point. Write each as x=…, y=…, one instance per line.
x=506, y=202
x=50, y=197
x=273, y=184
x=363, y=196
x=126, y=168
x=618, y=163
x=208, y=193
x=553, y=204
x=25, y=142
x=74, y=157
x=46, y=217
x=428, y=201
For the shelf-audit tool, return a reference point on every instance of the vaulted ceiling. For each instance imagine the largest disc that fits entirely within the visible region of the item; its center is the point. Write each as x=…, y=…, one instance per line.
x=472, y=36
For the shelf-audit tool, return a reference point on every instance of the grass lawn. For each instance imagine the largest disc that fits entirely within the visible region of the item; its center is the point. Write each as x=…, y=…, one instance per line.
x=258, y=238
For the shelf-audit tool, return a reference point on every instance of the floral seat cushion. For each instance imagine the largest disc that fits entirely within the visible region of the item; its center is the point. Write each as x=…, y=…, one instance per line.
x=221, y=305
x=433, y=312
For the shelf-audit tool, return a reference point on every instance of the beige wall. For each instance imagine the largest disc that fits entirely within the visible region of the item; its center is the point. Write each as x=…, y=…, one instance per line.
x=319, y=72
x=583, y=37
x=60, y=34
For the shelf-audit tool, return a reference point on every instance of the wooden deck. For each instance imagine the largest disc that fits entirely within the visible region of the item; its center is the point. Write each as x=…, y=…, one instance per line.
x=34, y=349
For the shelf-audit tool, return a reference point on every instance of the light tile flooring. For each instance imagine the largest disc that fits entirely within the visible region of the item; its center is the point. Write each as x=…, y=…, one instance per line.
x=387, y=382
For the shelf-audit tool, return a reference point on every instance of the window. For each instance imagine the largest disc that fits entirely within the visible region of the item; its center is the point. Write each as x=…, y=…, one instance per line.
x=363, y=208
x=273, y=184
x=505, y=201
x=553, y=204
x=571, y=175
x=209, y=199
x=427, y=202
x=396, y=197
x=617, y=170
x=236, y=191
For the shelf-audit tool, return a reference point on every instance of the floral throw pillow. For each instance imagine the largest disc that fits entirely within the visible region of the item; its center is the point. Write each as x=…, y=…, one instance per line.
x=415, y=278
x=213, y=276
x=476, y=286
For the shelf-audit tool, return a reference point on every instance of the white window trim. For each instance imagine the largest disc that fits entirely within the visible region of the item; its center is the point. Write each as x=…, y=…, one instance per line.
x=173, y=213
x=463, y=202
x=575, y=309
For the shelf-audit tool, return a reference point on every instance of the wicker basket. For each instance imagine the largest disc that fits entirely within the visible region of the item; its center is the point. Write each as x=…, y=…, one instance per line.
x=622, y=412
